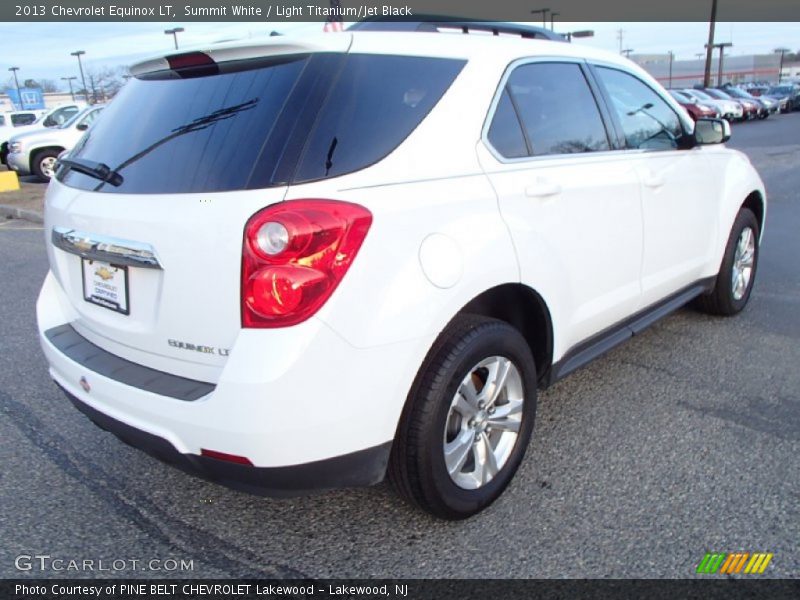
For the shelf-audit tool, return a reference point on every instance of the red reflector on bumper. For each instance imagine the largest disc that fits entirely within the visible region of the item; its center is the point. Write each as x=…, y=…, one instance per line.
x=239, y=460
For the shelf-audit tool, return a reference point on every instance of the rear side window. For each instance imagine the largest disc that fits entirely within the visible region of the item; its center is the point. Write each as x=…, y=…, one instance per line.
x=24, y=119
x=557, y=109
x=648, y=122
x=376, y=102
x=294, y=119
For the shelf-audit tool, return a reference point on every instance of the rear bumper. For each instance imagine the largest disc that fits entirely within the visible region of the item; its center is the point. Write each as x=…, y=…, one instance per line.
x=307, y=409
x=361, y=468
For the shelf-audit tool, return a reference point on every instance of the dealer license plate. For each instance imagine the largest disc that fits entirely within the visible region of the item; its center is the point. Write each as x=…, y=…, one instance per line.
x=106, y=285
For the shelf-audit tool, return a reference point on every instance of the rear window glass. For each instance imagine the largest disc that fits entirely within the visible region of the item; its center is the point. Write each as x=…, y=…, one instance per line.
x=301, y=118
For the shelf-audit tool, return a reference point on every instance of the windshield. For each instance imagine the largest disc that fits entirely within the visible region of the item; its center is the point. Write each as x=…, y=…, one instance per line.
x=739, y=93
x=680, y=96
x=699, y=94
x=292, y=119
x=780, y=89
x=719, y=94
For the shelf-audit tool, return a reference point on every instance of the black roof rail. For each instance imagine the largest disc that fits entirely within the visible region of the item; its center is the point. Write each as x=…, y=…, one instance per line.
x=437, y=23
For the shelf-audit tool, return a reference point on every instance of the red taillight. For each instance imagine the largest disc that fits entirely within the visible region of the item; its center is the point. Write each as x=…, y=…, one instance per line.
x=193, y=64
x=294, y=255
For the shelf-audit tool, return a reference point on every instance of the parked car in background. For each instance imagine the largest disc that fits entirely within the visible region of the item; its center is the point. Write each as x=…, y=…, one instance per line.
x=728, y=109
x=52, y=118
x=36, y=151
x=766, y=105
x=18, y=118
x=695, y=108
x=788, y=94
x=749, y=107
x=313, y=261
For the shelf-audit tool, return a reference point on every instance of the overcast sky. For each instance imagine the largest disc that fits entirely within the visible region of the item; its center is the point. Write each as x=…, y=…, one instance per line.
x=41, y=50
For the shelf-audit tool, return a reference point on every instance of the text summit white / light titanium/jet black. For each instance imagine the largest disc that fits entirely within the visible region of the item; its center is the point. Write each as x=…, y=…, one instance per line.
x=317, y=261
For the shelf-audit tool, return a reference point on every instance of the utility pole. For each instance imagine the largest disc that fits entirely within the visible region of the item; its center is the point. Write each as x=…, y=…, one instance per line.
x=69, y=80
x=627, y=52
x=619, y=37
x=78, y=54
x=710, y=45
x=16, y=82
x=544, y=12
x=783, y=51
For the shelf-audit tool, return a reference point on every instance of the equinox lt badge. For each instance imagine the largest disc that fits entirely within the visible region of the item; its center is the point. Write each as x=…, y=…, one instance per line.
x=198, y=348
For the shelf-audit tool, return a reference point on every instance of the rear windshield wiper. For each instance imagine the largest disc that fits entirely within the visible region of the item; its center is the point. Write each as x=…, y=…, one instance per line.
x=94, y=169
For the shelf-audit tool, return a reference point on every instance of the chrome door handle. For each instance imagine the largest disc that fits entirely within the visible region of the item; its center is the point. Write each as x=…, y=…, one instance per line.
x=107, y=249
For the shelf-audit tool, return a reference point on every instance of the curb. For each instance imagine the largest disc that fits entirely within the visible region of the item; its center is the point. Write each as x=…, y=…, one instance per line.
x=20, y=213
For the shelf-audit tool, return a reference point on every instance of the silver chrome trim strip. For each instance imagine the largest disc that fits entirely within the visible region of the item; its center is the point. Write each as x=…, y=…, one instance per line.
x=105, y=248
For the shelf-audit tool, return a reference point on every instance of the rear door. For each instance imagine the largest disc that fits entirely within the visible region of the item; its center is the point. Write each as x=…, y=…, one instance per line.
x=571, y=202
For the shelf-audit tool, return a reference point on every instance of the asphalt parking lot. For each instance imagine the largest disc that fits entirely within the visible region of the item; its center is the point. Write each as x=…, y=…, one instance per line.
x=681, y=442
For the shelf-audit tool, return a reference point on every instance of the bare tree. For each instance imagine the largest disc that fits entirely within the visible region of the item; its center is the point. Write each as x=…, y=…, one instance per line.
x=104, y=82
x=48, y=86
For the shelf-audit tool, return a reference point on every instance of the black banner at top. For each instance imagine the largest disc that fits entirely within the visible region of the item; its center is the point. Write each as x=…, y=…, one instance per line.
x=354, y=10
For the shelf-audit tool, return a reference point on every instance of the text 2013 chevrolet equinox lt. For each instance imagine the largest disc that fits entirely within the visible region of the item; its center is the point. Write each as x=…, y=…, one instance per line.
x=300, y=264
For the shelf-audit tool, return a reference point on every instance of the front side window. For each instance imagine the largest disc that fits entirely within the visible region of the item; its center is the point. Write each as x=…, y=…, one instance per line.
x=647, y=121
x=557, y=109
x=90, y=117
x=60, y=116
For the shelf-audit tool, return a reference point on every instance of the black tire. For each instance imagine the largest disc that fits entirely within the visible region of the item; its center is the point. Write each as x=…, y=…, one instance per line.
x=36, y=163
x=417, y=465
x=721, y=300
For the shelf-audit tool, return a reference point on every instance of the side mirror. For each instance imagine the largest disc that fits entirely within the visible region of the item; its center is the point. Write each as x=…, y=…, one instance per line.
x=82, y=126
x=712, y=131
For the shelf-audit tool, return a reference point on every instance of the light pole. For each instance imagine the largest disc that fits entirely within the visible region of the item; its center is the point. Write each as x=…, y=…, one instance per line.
x=16, y=82
x=69, y=81
x=584, y=33
x=721, y=59
x=553, y=16
x=721, y=47
x=78, y=54
x=544, y=12
x=671, y=59
x=174, y=33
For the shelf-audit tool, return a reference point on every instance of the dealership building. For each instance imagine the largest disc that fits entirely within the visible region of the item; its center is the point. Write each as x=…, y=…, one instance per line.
x=735, y=69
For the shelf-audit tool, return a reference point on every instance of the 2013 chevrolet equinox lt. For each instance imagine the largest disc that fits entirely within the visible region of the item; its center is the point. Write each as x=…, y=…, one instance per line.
x=300, y=264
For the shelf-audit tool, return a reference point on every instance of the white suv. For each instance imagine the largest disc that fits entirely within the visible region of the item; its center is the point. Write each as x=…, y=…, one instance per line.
x=300, y=264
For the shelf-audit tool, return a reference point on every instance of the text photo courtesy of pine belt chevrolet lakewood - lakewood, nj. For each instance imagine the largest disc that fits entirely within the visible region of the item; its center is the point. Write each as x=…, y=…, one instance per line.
x=311, y=293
